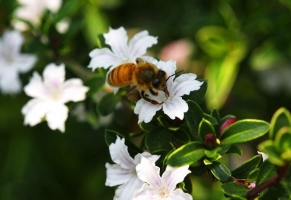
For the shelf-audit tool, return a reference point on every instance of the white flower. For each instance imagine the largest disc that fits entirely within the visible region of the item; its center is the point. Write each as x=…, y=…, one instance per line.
x=121, y=51
x=32, y=10
x=173, y=105
x=123, y=173
x=264, y=156
x=162, y=188
x=12, y=62
x=50, y=95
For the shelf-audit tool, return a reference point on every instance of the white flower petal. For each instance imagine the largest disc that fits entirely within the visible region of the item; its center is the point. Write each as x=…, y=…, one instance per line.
x=57, y=116
x=174, y=175
x=12, y=40
x=35, y=88
x=178, y=194
x=184, y=84
x=140, y=42
x=54, y=75
x=169, y=67
x=116, y=175
x=103, y=58
x=120, y=155
x=24, y=62
x=149, y=173
x=175, y=107
x=126, y=191
x=34, y=110
x=150, y=157
x=149, y=59
x=145, y=110
x=73, y=90
x=146, y=193
x=10, y=82
x=117, y=39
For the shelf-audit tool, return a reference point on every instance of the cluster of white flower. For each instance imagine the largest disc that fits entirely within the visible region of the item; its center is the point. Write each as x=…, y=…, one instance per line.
x=123, y=51
x=140, y=179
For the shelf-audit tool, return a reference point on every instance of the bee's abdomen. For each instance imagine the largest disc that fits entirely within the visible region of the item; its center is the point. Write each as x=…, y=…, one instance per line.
x=121, y=75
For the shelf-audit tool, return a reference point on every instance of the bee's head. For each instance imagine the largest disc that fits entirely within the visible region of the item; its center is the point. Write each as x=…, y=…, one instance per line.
x=159, y=82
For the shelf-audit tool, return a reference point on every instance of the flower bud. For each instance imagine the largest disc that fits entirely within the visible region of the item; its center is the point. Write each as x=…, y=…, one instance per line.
x=210, y=141
x=227, y=123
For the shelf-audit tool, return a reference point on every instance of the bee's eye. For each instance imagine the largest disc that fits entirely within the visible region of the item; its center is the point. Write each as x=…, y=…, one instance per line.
x=156, y=83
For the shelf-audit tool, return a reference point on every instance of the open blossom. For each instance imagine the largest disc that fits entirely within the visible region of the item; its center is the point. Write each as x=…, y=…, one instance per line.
x=162, y=188
x=50, y=95
x=123, y=173
x=172, y=105
x=121, y=51
x=32, y=10
x=13, y=62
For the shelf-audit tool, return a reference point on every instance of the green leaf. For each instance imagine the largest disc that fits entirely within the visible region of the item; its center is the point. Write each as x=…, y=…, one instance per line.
x=182, y=135
x=268, y=148
x=107, y=104
x=243, y=131
x=198, y=95
x=205, y=127
x=283, y=143
x=186, y=155
x=280, y=118
x=244, y=170
x=193, y=117
x=213, y=155
x=234, y=190
x=157, y=138
x=210, y=118
x=266, y=171
x=234, y=150
x=111, y=136
x=215, y=114
x=148, y=126
x=220, y=171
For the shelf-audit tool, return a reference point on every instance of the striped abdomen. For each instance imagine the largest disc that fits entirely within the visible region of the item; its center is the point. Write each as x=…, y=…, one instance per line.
x=121, y=75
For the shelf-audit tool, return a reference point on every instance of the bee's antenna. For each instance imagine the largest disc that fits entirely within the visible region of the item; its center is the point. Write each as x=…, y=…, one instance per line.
x=175, y=74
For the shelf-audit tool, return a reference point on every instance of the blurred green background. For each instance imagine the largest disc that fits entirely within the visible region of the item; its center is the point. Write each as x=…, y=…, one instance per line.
x=243, y=49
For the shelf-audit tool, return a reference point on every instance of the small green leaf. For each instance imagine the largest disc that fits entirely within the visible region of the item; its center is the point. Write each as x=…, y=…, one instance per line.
x=205, y=127
x=193, y=117
x=107, y=104
x=210, y=118
x=283, y=140
x=281, y=117
x=148, y=126
x=266, y=171
x=244, y=170
x=213, y=155
x=234, y=150
x=110, y=136
x=186, y=155
x=243, y=131
x=220, y=171
x=268, y=148
x=157, y=138
x=234, y=190
x=215, y=114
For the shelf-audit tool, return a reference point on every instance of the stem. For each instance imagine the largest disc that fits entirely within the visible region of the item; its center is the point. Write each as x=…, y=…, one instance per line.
x=272, y=181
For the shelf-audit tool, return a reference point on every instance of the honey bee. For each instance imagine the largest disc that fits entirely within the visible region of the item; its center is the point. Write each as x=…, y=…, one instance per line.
x=143, y=76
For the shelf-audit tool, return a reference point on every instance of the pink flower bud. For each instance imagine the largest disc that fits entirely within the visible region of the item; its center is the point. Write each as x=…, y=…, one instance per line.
x=227, y=123
x=210, y=141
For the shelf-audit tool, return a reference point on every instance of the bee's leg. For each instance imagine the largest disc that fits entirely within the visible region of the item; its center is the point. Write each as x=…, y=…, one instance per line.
x=166, y=92
x=130, y=89
x=153, y=92
x=149, y=100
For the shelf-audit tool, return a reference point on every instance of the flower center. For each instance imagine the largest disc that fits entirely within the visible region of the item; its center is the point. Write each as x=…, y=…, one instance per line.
x=164, y=192
x=54, y=90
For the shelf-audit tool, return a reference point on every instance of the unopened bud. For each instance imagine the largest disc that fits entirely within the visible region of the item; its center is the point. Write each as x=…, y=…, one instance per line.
x=227, y=123
x=210, y=141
